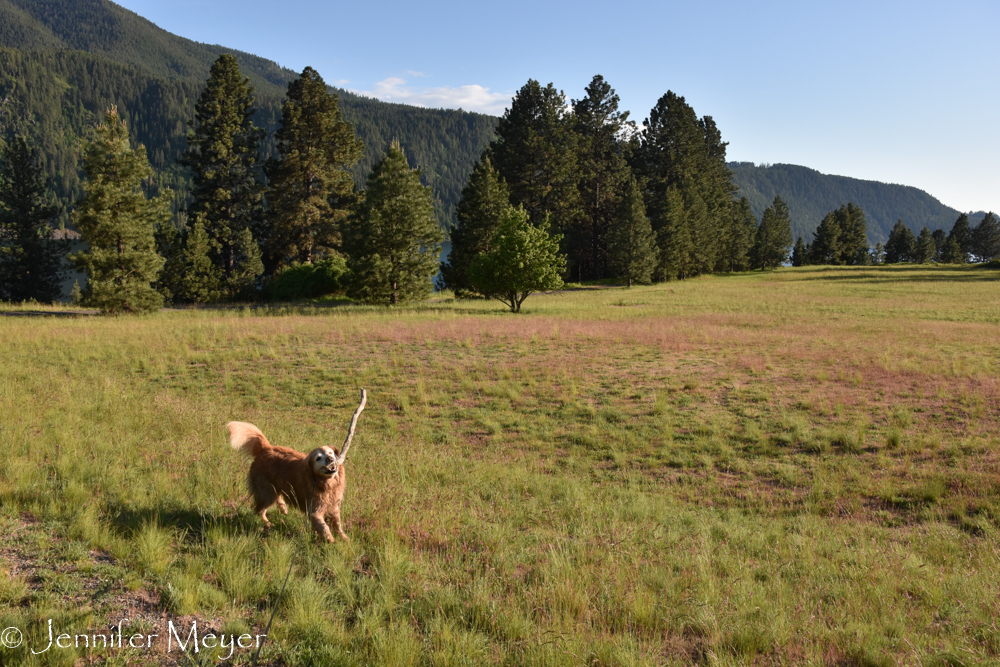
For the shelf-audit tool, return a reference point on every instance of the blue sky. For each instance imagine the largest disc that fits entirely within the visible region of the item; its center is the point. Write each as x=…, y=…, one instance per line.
x=900, y=92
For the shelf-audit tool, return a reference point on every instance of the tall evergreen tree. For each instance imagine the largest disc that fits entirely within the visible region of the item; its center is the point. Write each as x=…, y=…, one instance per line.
x=632, y=251
x=901, y=244
x=853, y=234
x=951, y=253
x=774, y=236
x=393, y=241
x=117, y=220
x=535, y=153
x=923, y=250
x=940, y=238
x=678, y=151
x=825, y=246
x=799, y=253
x=223, y=145
x=31, y=260
x=311, y=191
x=484, y=200
x=677, y=255
x=962, y=233
x=604, y=173
x=738, y=236
x=986, y=238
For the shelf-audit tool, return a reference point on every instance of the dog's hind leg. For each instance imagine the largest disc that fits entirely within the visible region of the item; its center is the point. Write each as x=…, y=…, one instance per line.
x=264, y=496
x=281, y=504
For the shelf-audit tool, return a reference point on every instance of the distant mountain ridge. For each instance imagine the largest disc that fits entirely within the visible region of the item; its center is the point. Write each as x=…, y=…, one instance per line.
x=63, y=62
x=810, y=195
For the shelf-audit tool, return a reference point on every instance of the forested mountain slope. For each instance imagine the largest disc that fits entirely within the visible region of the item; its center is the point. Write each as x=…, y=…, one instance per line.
x=810, y=195
x=63, y=62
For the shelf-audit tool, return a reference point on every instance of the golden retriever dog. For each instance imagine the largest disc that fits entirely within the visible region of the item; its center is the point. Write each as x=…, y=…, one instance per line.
x=314, y=483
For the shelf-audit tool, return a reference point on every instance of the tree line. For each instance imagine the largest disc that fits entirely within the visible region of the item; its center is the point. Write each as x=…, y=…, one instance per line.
x=632, y=204
x=841, y=239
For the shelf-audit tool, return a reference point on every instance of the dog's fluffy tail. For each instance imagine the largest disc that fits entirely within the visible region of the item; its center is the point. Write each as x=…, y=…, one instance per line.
x=247, y=438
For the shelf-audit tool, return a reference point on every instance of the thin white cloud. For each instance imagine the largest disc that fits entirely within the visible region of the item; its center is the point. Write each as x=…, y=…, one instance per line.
x=415, y=73
x=341, y=82
x=471, y=98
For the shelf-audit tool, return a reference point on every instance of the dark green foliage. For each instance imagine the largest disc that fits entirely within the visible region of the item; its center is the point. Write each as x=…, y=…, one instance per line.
x=923, y=250
x=940, y=238
x=737, y=237
x=901, y=246
x=632, y=251
x=810, y=195
x=951, y=252
x=308, y=281
x=604, y=174
x=986, y=238
x=877, y=254
x=841, y=238
x=222, y=154
x=799, y=253
x=86, y=55
x=774, y=237
x=200, y=280
x=243, y=282
x=680, y=154
x=483, y=202
x=535, y=153
x=117, y=221
x=673, y=238
x=962, y=233
x=170, y=246
x=31, y=260
x=393, y=240
x=522, y=260
x=310, y=190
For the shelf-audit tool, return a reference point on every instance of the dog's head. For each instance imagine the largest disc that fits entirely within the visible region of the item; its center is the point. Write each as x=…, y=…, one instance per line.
x=323, y=461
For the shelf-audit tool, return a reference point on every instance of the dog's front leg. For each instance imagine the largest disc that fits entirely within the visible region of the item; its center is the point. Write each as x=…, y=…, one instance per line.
x=337, y=525
x=319, y=525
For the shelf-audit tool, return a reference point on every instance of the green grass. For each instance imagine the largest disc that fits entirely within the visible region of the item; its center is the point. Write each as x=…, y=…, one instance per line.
x=796, y=467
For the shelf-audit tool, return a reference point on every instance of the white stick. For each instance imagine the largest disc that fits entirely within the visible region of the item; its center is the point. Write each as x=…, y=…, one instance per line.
x=350, y=432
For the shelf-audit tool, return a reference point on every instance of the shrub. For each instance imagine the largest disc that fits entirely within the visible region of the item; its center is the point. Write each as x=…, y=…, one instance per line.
x=308, y=281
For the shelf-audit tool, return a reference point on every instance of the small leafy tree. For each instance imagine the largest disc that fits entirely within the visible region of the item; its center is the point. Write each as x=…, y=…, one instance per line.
x=523, y=259
x=116, y=220
x=393, y=241
x=632, y=251
x=31, y=260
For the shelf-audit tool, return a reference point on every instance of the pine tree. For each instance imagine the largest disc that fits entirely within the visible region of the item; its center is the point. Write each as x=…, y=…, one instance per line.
x=923, y=251
x=632, y=251
x=200, y=278
x=900, y=247
x=799, y=253
x=774, y=236
x=222, y=154
x=31, y=260
x=311, y=191
x=940, y=238
x=393, y=242
x=962, y=234
x=986, y=238
x=484, y=199
x=673, y=239
x=951, y=253
x=738, y=236
x=604, y=173
x=249, y=265
x=535, y=153
x=170, y=246
x=825, y=246
x=523, y=260
x=878, y=254
x=853, y=238
x=117, y=221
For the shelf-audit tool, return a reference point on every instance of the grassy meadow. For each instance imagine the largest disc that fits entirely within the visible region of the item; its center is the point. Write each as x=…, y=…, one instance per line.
x=799, y=467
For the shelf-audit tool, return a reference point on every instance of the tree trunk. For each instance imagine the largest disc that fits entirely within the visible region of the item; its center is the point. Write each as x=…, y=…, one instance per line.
x=395, y=294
